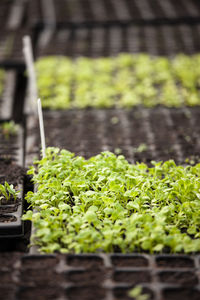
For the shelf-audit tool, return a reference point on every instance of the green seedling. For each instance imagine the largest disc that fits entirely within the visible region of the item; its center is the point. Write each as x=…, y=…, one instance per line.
x=9, y=129
x=137, y=294
x=141, y=148
x=7, y=192
x=125, y=81
x=105, y=202
x=114, y=120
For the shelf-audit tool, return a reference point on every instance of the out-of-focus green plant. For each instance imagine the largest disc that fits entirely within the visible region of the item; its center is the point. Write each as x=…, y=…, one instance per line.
x=123, y=81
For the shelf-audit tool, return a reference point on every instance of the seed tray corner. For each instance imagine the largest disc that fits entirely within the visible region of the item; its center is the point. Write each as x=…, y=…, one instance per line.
x=13, y=227
x=12, y=149
x=11, y=54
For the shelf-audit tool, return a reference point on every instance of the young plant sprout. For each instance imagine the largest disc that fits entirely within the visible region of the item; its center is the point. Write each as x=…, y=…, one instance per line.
x=7, y=192
x=9, y=129
x=138, y=79
x=137, y=294
x=105, y=203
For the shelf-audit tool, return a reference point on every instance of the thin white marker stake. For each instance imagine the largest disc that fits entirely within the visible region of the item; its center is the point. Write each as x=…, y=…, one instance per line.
x=28, y=54
x=42, y=135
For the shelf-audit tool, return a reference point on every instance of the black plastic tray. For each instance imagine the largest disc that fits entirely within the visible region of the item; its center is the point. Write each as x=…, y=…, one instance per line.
x=93, y=12
x=14, y=228
x=13, y=149
x=108, y=276
x=111, y=40
x=11, y=54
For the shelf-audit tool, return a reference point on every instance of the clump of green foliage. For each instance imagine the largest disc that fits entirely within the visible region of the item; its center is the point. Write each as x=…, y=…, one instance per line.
x=123, y=81
x=9, y=129
x=106, y=204
x=8, y=192
x=137, y=294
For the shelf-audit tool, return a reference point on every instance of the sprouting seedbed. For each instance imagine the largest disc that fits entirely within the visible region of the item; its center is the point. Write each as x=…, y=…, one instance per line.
x=122, y=81
x=105, y=204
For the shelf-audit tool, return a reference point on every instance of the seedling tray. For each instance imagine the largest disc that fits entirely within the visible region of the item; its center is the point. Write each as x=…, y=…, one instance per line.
x=93, y=12
x=12, y=148
x=167, y=133
x=11, y=54
x=101, y=276
x=10, y=215
x=7, y=98
x=11, y=224
x=111, y=40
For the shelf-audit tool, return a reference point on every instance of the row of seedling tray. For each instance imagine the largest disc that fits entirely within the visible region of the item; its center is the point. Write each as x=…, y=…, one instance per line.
x=102, y=277
x=41, y=13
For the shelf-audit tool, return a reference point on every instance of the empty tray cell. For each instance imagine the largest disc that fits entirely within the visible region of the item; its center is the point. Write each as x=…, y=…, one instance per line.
x=91, y=276
x=7, y=219
x=8, y=261
x=174, y=262
x=131, y=261
x=6, y=277
x=8, y=208
x=181, y=293
x=133, y=277
x=39, y=293
x=7, y=291
x=122, y=293
x=86, y=293
x=178, y=277
x=38, y=261
x=40, y=277
x=85, y=261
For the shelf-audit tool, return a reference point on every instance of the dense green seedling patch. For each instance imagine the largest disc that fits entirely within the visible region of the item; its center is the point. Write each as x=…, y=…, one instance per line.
x=106, y=204
x=122, y=81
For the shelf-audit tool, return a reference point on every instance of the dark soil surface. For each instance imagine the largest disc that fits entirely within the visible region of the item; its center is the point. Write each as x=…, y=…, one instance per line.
x=166, y=133
x=8, y=208
x=129, y=260
x=181, y=293
x=7, y=219
x=182, y=278
x=11, y=172
x=174, y=262
x=134, y=277
x=90, y=262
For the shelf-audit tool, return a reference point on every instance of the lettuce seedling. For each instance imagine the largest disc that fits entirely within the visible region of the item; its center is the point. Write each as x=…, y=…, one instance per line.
x=105, y=203
x=9, y=129
x=126, y=80
x=7, y=192
x=137, y=294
